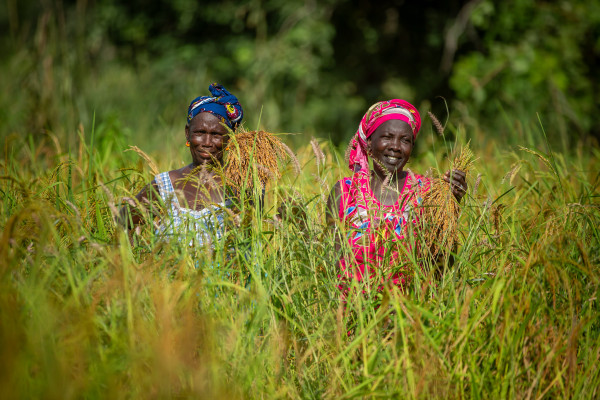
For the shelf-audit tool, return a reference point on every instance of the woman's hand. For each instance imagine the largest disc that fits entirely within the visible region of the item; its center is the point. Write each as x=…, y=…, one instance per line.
x=458, y=183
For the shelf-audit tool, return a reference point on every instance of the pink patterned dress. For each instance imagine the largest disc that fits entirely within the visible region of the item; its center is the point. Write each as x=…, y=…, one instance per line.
x=376, y=231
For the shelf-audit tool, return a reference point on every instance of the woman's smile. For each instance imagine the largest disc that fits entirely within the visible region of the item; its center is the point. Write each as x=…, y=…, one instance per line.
x=204, y=153
x=392, y=160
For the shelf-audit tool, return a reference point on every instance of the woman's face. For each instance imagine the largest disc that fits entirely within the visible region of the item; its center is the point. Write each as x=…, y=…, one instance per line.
x=391, y=144
x=207, y=138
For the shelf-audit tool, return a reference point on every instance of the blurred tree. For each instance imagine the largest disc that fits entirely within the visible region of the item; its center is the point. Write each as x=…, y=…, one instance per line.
x=299, y=66
x=310, y=66
x=534, y=57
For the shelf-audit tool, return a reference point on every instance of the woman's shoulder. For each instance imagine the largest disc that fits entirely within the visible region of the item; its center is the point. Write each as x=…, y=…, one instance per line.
x=162, y=177
x=177, y=173
x=358, y=177
x=169, y=178
x=164, y=181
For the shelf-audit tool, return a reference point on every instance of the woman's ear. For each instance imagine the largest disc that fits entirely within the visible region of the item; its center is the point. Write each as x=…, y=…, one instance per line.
x=369, y=144
x=187, y=132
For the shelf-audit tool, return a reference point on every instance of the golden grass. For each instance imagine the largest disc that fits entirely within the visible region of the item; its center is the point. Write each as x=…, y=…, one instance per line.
x=153, y=167
x=440, y=210
x=436, y=122
x=84, y=315
x=319, y=155
x=253, y=152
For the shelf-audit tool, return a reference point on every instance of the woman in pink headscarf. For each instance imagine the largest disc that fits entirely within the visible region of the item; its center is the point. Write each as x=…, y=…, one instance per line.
x=378, y=202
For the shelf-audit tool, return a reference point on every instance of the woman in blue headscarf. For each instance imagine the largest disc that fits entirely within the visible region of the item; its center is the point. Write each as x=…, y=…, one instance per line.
x=193, y=196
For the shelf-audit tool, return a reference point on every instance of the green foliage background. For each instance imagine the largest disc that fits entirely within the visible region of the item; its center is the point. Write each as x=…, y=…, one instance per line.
x=299, y=66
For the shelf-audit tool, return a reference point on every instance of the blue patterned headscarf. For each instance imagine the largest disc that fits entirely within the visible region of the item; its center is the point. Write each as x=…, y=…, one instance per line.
x=223, y=104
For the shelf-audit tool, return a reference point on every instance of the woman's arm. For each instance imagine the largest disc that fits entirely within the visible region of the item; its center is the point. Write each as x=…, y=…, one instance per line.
x=131, y=215
x=333, y=204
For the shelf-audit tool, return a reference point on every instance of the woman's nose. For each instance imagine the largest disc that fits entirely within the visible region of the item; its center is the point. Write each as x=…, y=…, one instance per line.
x=204, y=140
x=395, y=144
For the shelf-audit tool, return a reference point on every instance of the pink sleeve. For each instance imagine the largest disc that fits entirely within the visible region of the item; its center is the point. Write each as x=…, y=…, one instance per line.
x=344, y=196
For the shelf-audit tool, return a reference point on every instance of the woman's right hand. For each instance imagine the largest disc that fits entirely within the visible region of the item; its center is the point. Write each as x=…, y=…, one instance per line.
x=130, y=214
x=458, y=181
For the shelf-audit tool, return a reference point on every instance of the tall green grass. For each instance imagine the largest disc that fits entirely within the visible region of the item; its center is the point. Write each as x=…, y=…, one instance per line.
x=85, y=313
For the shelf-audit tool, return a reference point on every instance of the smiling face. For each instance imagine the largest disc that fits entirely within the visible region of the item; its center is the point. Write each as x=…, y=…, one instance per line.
x=207, y=138
x=391, y=144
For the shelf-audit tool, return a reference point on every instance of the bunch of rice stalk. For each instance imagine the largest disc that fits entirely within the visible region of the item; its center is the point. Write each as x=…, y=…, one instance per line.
x=440, y=210
x=251, y=150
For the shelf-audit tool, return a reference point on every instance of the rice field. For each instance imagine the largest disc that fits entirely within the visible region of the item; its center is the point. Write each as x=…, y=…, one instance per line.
x=88, y=311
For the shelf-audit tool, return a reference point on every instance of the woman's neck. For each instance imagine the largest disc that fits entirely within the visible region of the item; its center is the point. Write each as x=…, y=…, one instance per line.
x=201, y=169
x=198, y=183
x=387, y=188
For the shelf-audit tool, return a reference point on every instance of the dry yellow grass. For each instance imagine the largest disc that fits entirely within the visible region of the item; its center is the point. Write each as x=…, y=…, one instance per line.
x=440, y=210
x=153, y=167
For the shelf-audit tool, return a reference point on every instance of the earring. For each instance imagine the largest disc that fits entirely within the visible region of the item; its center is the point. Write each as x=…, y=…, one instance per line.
x=187, y=144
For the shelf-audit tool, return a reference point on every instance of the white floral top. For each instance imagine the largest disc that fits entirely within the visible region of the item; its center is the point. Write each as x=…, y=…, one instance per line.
x=207, y=224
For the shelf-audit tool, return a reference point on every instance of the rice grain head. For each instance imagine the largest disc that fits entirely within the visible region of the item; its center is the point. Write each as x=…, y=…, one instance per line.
x=255, y=152
x=322, y=183
x=436, y=122
x=153, y=167
x=511, y=174
x=293, y=158
x=440, y=210
x=477, y=182
x=320, y=157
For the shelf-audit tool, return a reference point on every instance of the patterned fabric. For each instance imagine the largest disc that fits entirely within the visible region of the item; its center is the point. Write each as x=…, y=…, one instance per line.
x=377, y=114
x=222, y=104
x=377, y=231
x=207, y=224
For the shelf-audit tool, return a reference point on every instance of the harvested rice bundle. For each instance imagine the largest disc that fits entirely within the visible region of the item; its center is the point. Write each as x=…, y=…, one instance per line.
x=440, y=210
x=254, y=149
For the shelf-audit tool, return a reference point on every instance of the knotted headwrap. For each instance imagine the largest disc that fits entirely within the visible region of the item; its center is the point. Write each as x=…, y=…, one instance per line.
x=377, y=114
x=223, y=104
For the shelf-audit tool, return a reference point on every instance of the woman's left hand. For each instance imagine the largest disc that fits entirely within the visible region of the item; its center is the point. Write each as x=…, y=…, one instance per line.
x=458, y=183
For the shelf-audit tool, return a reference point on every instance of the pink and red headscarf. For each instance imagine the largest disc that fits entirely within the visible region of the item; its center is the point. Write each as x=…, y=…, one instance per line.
x=377, y=114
